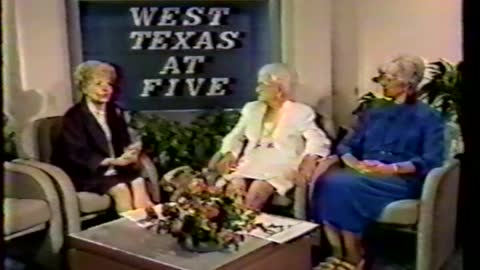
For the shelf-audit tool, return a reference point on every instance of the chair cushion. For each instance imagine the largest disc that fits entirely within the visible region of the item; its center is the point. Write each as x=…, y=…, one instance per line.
x=281, y=200
x=92, y=202
x=403, y=212
x=22, y=214
x=47, y=131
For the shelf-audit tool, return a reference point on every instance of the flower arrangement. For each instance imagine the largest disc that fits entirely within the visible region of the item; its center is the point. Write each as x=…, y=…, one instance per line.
x=203, y=218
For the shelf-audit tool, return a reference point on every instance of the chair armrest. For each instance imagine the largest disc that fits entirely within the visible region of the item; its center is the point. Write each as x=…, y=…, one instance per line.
x=149, y=171
x=25, y=182
x=66, y=191
x=438, y=212
x=300, y=205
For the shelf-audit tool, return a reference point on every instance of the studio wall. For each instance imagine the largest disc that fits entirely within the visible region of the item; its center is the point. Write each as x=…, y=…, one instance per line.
x=335, y=46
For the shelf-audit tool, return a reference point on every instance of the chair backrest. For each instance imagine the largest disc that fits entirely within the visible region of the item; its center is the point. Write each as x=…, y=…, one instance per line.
x=47, y=131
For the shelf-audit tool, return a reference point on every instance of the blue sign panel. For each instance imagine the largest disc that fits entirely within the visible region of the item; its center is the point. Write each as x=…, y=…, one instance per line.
x=180, y=55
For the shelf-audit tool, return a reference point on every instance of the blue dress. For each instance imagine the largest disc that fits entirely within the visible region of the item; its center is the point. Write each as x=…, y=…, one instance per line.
x=350, y=201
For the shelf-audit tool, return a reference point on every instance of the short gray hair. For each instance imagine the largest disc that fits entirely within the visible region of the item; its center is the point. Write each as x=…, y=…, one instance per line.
x=85, y=71
x=281, y=74
x=407, y=68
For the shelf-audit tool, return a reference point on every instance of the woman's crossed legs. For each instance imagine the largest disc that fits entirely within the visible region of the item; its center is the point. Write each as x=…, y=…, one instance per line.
x=254, y=196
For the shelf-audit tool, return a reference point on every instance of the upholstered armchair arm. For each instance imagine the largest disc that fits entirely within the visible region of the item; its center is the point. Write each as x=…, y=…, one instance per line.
x=437, y=220
x=24, y=182
x=67, y=193
x=300, y=205
x=150, y=173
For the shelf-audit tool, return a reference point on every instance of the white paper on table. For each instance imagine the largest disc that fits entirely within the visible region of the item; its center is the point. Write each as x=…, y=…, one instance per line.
x=291, y=228
x=139, y=216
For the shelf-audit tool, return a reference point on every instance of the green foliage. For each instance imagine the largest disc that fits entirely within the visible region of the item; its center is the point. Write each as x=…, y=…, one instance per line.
x=370, y=100
x=442, y=92
x=9, y=145
x=171, y=144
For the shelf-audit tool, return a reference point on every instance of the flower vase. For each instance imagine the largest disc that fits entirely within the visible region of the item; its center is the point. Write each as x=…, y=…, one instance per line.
x=202, y=247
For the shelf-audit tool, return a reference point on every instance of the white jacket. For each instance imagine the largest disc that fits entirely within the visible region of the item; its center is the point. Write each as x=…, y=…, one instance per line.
x=296, y=130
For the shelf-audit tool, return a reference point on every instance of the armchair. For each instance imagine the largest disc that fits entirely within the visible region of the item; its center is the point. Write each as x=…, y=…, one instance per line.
x=76, y=206
x=433, y=216
x=31, y=204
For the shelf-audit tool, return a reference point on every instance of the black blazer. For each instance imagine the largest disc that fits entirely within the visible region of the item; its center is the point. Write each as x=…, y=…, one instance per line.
x=82, y=144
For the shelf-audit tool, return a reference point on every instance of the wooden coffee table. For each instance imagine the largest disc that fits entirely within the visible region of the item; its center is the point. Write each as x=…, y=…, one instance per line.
x=122, y=245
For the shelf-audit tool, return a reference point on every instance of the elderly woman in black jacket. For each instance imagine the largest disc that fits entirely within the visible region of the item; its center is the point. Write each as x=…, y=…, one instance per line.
x=94, y=147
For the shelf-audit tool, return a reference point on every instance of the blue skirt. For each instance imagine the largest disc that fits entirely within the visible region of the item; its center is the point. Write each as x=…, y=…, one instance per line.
x=350, y=201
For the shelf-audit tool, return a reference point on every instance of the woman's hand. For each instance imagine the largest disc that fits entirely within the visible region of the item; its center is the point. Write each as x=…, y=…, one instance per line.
x=350, y=161
x=307, y=167
x=127, y=158
x=378, y=168
x=323, y=165
x=226, y=163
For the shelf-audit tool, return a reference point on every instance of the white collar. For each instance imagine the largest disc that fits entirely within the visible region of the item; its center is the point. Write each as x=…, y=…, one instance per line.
x=94, y=110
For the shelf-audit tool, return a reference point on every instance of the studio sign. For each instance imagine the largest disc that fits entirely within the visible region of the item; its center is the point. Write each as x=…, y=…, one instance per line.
x=185, y=19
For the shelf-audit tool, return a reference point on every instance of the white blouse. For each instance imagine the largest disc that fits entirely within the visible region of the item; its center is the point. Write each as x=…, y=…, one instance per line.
x=101, y=117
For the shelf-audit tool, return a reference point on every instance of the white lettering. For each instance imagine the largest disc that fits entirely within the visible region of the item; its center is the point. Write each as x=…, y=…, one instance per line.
x=168, y=16
x=217, y=13
x=229, y=40
x=158, y=41
x=171, y=65
x=182, y=38
x=149, y=86
x=192, y=62
x=192, y=88
x=204, y=40
x=139, y=37
x=172, y=86
x=216, y=86
x=196, y=19
x=143, y=16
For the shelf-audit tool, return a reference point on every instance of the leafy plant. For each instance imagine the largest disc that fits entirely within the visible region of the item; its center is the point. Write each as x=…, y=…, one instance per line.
x=9, y=145
x=171, y=144
x=442, y=92
x=370, y=100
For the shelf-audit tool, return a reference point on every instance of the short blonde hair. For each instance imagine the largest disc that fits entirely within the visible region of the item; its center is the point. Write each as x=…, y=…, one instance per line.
x=281, y=74
x=85, y=71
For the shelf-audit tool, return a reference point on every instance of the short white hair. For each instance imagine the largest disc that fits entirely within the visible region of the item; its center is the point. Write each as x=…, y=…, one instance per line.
x=407, y=68
x=281, y=74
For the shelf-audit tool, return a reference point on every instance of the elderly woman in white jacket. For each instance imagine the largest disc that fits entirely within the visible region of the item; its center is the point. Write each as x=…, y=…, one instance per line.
x=275, y=141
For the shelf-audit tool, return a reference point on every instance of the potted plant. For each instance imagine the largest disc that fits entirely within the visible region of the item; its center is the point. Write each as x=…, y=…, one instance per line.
x=203, y=218
x=171, y=144
x=443, y=93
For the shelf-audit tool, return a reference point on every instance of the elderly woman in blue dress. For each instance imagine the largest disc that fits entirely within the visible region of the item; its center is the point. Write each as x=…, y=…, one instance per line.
x=385, y=159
